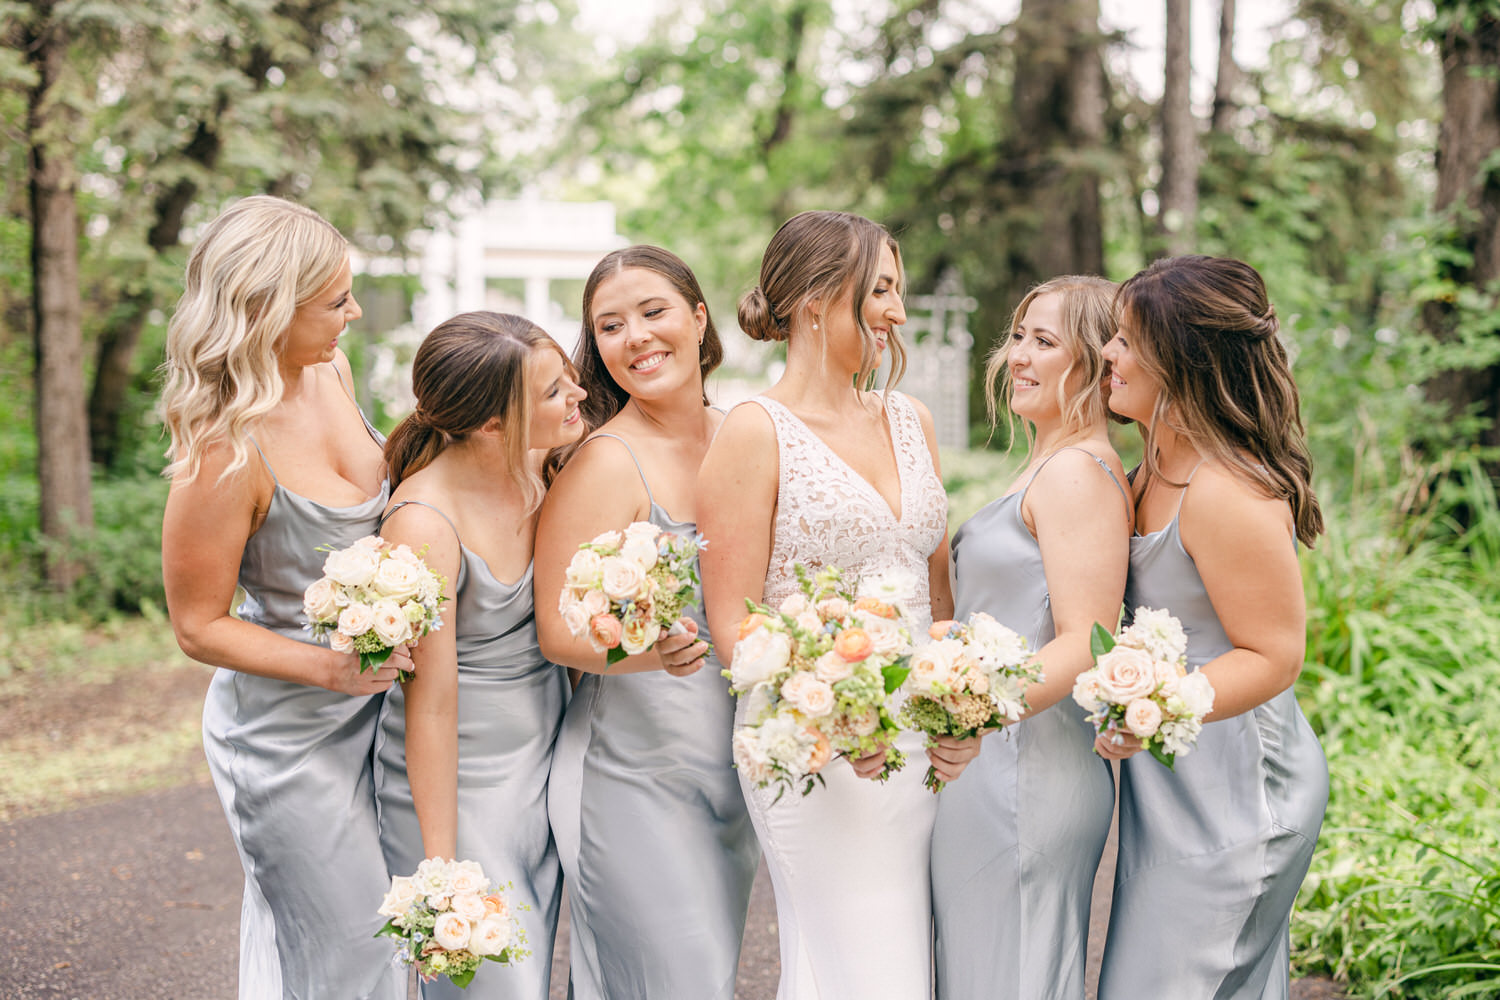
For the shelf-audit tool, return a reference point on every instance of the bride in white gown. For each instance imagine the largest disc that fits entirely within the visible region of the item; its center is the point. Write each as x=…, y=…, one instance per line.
x=819, y=472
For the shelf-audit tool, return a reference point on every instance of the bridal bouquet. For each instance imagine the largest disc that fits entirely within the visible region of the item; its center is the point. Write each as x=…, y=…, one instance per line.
x=1140, y=685
x=446, y=919
x=817, y=672
x=625, y=588
x=373, y=596
x=970, y=677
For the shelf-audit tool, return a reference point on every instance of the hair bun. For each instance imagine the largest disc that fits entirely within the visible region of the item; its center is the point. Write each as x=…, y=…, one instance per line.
x=757, y=318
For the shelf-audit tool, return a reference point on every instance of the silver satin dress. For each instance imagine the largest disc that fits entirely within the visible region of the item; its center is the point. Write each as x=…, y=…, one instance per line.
x=1211, y=854
x=1019, y=835
x=291, y=764
x=654, y=836
x=510, y=705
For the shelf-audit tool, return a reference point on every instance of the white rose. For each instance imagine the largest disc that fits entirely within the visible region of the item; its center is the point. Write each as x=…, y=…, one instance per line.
x=886, y=635
x=595, y=603
x=639, y=550
x=583, y=569
x=809, y=622
x=469, y=906
x=1197, y=694
x=864, y=723
x=793, y=605
x=340, y=643
x=1126, y=674
x=352, y=567
x=320, y=600
x=576, y=618
x=491, y=936
x=404, y=892
x=750, y=757
x=372, y=542
x=808, y=695
x=831, y=608
x=830, y=668
x=1086, y=691
x=1143, y=717
x=639, y=635
x=397, y=580
x=609, y=540
x=390, y=623
x=452, y=931
x=642, y=529
x=1168, y=674
x=932, y=668
x=621, y=578
x=758, y=656
x=432, y=877
x=356, y=620
x=403, y=553
x=467, y=877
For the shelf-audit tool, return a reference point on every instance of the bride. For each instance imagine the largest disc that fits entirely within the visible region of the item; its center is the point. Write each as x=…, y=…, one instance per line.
x=819, y=471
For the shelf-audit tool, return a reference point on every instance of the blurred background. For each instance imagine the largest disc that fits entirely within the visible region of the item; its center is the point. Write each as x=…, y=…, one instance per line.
x=486, y=153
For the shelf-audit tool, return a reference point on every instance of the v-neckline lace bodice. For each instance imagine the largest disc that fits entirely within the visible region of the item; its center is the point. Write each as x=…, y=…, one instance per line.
x=828, y=514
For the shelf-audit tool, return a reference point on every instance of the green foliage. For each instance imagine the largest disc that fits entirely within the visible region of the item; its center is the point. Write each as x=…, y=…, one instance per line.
x=1403, y=899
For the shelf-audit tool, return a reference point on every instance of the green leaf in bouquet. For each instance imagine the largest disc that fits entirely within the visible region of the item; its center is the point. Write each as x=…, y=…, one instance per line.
x=463, y=979
x=895, y=675
x=1161, y=755
x=373, y=659
x=390, y=930
x=1100, y=641
x=615, y=655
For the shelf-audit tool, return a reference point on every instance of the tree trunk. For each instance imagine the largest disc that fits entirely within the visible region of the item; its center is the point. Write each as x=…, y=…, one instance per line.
x=1178, y=192
x=1228, y=75
x=1468, y=193
x=61, y=425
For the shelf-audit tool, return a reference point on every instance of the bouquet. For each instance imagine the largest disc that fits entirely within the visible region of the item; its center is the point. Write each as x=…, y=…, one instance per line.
x=623, y=589
x=818, y=671
x=1140, y=685
x=970, y=677
x=446, y=919
x=372, y=597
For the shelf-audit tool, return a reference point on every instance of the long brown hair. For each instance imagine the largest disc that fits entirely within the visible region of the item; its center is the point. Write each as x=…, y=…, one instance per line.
x=1205, y=330
x=822, y=255
x=606, y=398
x=468, y=370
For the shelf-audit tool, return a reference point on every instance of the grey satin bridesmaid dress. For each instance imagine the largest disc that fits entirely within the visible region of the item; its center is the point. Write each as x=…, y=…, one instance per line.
x=654, y=836
x=1019, y=835
x=510, y=705
x=1211, y=854
x=291, y=764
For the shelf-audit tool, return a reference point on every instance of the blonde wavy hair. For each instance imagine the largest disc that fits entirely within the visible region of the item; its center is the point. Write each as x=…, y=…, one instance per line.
x=254, y=265
x=1088, y=323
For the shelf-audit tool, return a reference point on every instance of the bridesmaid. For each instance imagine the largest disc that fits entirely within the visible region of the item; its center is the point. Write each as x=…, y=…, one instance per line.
x=463, y=749
x=1017, y=842
x=658, y=850
x=253, y=364
x=1222, y=499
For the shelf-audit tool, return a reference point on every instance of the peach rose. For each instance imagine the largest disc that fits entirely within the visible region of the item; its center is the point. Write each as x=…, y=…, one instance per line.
x=604, y=632
x=853, y=644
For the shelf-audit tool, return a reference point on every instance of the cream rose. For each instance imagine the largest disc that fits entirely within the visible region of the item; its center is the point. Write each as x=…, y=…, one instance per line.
x=576, y=618
x=757, y=656
x=886, y=635
x=809, y=621
x=639, y=550
x=356, y=620
x=352, y=567
x=750, y=757
x=932, y=667
x=491, y=936
x=340, y=643
x=467, y=877
x=390, y=623
x=830, y=668
x=1086, y=691
x=583, y=570
x=403, y=893
x=1143, y=717
x=595, y=603
x=397, y=580
x=638, y=635
x=320, y=600
x=642, y=529
x=608, y=540
x=452, y=931
x=621, y=579
x=468, y=905
x=808, y=695
x=1197, y=694
x=1126, y=674
x=833, y=607
x=865, y=722
x=793, y=605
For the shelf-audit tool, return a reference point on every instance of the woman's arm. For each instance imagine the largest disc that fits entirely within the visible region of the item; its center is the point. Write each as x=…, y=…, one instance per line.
x=737, y=488
x=1082, y=526
x=432, y=692
x=598, y=490
x=204, y=531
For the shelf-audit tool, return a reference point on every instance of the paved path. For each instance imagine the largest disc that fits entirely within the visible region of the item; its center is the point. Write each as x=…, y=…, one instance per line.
x=140, y=899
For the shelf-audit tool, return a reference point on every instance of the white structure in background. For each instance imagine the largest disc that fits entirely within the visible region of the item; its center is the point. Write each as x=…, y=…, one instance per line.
x=937, y=356
x=535, y=242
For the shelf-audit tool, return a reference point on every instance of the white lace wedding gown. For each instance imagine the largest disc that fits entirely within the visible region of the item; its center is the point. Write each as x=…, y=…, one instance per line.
x=849, y=863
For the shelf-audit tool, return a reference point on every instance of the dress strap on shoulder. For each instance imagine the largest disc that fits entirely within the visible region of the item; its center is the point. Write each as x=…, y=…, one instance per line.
x=263, y=459
x=420, y=503
x=1124, y=494
x=650, y=499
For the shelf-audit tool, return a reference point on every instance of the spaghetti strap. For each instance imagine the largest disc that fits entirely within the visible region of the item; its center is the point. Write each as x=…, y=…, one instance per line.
x=631, y=452
x=263, y=459
x=1182, y=494
x=420, y=503
x=1097, y=461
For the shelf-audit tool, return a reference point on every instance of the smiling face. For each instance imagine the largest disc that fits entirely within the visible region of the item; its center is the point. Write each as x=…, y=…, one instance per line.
x=313, y=335
x=1039, y=362
x=647, y=334
x=555, y=417
x=882, y=311
x=1132, y=390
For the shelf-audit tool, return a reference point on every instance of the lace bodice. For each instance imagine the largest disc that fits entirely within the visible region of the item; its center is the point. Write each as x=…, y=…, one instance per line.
x=827, y=514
